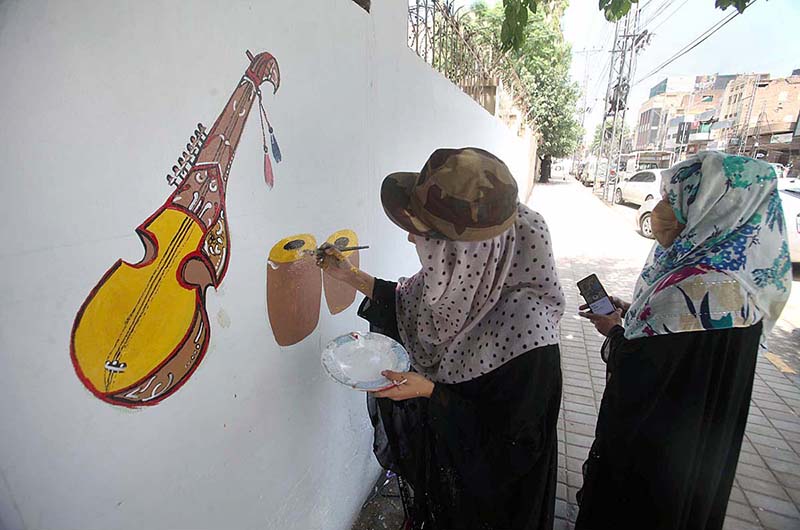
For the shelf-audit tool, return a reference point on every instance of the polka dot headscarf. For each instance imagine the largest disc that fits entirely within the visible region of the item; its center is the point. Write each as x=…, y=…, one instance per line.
x=476, y=305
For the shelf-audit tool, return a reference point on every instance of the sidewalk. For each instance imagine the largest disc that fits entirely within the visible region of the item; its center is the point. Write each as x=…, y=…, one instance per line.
x=590, y=237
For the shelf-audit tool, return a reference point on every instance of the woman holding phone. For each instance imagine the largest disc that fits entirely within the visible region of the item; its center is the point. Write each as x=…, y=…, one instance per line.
x=681, y=367
x=473, y=427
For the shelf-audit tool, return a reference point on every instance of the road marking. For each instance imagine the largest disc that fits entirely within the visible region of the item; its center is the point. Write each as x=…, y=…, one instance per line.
x=779, y=364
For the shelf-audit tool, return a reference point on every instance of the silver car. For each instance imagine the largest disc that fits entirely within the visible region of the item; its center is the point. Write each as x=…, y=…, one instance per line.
x=639, y=188
x=790, y=197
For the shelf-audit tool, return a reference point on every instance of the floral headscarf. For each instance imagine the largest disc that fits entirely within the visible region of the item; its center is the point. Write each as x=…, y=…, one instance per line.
x=730, y=266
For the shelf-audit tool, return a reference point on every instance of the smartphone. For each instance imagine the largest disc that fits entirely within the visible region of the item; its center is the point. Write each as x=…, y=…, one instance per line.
x=592, y=291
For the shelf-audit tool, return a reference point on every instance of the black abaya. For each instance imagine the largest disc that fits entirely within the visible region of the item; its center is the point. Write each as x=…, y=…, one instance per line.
x=669, y=431
x=481, y=454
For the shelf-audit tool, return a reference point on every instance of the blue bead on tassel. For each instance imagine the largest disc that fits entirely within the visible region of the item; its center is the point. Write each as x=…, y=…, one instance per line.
x=276, y=150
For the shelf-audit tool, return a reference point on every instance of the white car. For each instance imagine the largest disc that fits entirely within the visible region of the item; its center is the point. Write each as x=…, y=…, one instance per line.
x=790, y=197
x=780, y=170
x=639, y=188
x=644, y=215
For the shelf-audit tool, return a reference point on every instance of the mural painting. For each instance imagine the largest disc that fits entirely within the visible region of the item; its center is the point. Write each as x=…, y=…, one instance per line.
x=144, y=329
x=295, y=285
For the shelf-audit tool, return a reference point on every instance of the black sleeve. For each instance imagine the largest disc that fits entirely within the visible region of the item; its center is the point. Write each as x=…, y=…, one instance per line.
x=380, y=311
x=615, y=340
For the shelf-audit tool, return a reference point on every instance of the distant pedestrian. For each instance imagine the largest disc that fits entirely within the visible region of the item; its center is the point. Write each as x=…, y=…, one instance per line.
x=473, y=427
x=680, y=372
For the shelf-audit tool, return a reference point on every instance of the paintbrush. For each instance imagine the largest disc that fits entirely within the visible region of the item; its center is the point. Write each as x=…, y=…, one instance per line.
x=320, y=252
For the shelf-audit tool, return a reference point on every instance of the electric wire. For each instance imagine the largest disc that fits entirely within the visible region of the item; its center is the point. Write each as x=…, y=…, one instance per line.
x=663, y=7
x=694, y=44
x=669, y=16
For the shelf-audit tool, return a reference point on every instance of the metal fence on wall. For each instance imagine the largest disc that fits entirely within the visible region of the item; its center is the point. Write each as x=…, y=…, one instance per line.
x=436, y=33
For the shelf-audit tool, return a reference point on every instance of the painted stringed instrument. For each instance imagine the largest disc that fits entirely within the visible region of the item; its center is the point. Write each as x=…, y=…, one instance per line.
x=144, y=328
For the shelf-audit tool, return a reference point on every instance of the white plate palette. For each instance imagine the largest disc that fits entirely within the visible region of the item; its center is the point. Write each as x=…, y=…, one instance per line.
x=357, y=360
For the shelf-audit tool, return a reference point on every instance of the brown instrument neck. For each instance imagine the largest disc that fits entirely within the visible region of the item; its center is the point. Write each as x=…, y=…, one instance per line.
x=223, y=137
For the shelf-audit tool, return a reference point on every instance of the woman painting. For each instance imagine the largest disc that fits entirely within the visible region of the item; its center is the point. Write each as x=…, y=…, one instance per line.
x=473, y=427
x=680, y=371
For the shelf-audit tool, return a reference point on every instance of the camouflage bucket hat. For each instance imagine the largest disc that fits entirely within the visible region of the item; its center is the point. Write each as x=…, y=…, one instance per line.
x=461, y=194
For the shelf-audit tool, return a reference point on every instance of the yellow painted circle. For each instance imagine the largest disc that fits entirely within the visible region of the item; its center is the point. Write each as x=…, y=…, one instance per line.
x=292, y=248
x=344, y=238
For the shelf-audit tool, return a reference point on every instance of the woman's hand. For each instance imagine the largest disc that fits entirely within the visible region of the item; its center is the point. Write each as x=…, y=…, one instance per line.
x=415, y=386
x=605, y=323
x=333, y=262
x=616, y=302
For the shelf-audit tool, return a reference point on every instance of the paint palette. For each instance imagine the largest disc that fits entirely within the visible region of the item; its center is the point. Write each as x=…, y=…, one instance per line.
x=357, y=360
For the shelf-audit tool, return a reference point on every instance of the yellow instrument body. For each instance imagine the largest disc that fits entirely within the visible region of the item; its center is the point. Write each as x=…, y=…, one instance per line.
x=138, y=316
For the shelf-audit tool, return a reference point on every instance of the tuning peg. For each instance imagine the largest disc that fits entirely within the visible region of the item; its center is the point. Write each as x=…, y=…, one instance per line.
x=172, y=180
x=175, y=169
x=180, y=161
x=193, y=138
x=189, y=147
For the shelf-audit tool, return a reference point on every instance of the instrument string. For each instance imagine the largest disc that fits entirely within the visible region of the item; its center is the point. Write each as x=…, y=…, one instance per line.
x=145, y=297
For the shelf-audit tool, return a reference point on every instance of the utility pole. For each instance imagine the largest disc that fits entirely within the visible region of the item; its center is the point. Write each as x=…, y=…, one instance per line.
x=743, y=134
x=584, y=108
x=628, y=41
x=584, y=88
x=758, y=129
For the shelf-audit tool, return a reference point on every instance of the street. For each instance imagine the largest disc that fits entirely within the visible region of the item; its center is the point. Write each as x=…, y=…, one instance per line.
x=592, y=237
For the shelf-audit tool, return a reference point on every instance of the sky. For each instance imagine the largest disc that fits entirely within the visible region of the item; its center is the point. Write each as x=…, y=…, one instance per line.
x=765, y=39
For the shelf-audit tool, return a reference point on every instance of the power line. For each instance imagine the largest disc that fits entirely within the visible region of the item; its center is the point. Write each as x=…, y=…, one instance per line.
x=669, y=16
x=694, y=44
x=663, y=7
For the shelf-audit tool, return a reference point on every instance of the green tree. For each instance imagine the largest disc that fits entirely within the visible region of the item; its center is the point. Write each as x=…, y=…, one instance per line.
x=595, y=147
x=541, y=67
x=516, y=13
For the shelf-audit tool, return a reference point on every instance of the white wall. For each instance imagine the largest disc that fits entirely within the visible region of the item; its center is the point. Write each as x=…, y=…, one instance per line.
x=96, y=102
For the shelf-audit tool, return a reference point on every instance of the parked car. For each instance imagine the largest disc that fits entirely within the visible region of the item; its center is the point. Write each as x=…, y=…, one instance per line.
x=558, y=169
x=644, y=215
x=780, y=170
x=790, y=197
x=639, y=188
x=588, y=174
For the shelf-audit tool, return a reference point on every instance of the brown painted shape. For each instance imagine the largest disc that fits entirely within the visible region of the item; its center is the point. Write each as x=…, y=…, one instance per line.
x=294, y=289
x=339, y=295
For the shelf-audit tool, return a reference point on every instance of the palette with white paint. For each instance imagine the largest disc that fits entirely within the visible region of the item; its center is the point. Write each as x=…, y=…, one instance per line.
x=357, y=360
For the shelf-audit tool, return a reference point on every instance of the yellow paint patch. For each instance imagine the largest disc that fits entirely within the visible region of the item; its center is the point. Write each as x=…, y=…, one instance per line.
x=292, y=248
x=779, y=363
x=139, y=315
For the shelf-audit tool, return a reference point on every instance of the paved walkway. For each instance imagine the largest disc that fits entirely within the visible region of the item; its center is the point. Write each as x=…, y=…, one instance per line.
x=590, y=237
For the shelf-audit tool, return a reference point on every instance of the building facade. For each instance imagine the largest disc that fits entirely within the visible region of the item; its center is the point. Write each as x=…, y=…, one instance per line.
x=680, y=112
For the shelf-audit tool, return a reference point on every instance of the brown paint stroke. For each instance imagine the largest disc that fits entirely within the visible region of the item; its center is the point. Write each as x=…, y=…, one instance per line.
x=294, y=288
x=339, y=295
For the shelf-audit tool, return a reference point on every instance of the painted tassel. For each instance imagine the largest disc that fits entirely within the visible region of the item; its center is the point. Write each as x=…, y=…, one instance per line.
x=276, y=150
x=269, y=178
